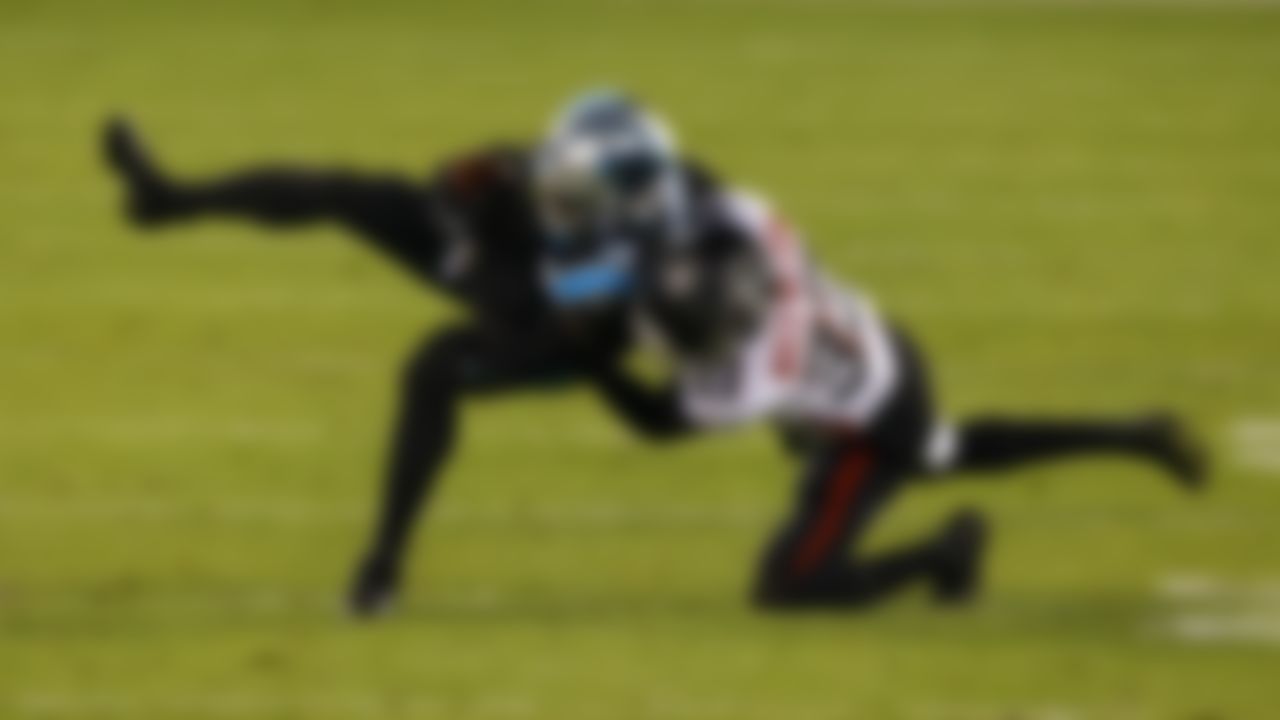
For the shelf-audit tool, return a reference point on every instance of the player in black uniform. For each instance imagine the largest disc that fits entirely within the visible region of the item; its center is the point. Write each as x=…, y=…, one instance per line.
x=492, y=229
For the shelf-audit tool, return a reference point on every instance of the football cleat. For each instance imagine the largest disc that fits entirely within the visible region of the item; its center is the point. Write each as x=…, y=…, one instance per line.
x=962, y=548
x=151, y=198
x=373, y=589
x=1170, y=445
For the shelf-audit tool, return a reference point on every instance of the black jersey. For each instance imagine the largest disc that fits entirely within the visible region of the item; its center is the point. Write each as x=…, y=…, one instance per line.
x=492, y=246
x=489, y=237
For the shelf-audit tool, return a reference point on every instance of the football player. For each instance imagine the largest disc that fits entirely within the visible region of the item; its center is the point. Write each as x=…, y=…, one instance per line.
x=508, y=230
x=757, y=331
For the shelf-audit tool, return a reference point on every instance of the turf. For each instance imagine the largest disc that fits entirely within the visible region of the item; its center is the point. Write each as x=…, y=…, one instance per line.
x=1075, y=206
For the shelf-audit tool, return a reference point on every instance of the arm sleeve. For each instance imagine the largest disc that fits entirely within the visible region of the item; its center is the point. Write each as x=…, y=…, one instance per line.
x=655, y=412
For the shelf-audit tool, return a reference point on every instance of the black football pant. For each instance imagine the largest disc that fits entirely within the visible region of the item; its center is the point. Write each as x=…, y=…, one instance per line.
x=815, y=559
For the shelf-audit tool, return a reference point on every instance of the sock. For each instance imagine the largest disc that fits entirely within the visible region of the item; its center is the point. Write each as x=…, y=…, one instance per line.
x=996, y=443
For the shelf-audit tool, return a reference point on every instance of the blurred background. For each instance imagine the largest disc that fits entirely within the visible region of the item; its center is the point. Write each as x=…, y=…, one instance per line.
x=1074, y=204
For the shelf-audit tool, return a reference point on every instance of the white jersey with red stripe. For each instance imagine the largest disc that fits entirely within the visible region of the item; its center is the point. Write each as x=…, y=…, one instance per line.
x=821, y=356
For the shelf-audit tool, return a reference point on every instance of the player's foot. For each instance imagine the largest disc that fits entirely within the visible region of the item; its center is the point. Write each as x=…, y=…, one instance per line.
x=1170, y=445
x=151, y=198
x=963, y=547
x=373, y=589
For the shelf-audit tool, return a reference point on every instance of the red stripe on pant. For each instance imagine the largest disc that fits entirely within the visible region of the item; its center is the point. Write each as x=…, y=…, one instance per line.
x=837, y=505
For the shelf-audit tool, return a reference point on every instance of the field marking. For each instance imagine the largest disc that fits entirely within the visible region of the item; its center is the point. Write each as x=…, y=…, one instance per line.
x=213, y=430
x=58, y=703
x=162, y=428
x=591, y=515
x=144, y=504
x=1209, y=610
x=1227, y=628
x=552, y=514
x=158, y=601
x=1015, y=4
x=1187, y=587
x=968, y=711
x=51, y=703
x=1255, y=443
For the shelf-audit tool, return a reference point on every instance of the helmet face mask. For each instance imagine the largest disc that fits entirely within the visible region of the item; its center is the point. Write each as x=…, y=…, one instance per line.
x=604, y=170
x=572, y=202
x=633, y=173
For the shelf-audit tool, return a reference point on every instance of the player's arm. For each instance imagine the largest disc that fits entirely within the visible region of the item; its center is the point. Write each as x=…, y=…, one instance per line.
x=654, y=411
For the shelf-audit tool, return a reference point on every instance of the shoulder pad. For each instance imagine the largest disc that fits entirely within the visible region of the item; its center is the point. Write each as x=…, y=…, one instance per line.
x=476, y=175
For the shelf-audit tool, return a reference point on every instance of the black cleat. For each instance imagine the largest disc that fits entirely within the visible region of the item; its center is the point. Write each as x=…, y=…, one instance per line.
x=151, y=198
x=962, y=546
x=1170, y=445
x=373, y=589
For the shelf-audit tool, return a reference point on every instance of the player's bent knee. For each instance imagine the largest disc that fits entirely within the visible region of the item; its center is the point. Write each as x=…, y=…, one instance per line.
x=434, y=368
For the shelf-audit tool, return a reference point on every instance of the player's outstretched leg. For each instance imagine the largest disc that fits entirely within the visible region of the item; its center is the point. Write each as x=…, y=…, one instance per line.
x=386, y=211
x=808, y=564
x=997, y=443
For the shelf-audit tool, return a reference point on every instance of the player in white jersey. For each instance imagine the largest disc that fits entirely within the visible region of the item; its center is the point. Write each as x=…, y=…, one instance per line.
x=756, y=333
x=817, y=354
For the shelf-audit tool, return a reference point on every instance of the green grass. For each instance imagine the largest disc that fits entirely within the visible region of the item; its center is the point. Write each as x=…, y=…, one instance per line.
x=1076, y=206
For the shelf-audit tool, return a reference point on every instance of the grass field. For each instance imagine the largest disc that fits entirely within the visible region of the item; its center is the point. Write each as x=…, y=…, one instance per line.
x=1076, y=206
